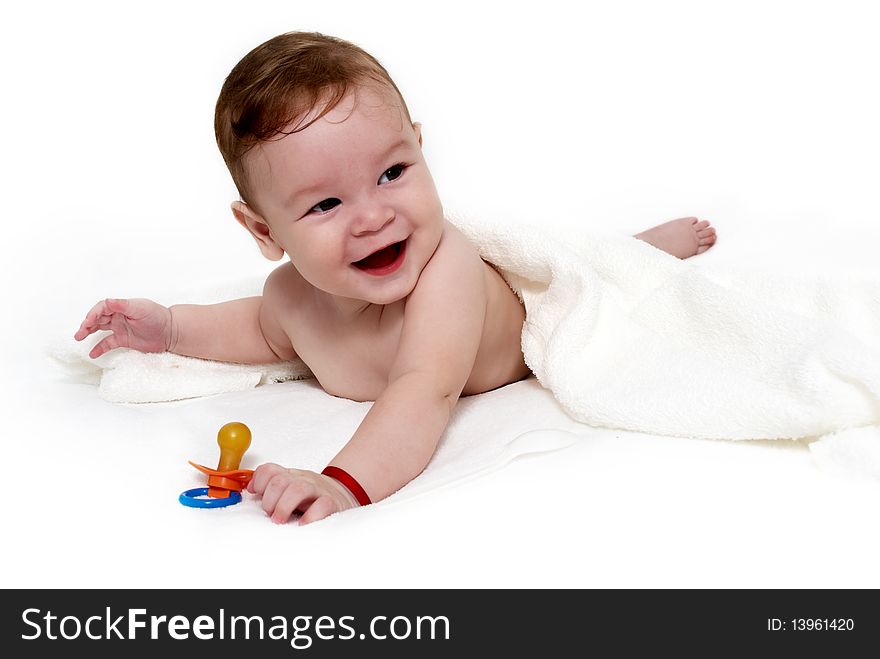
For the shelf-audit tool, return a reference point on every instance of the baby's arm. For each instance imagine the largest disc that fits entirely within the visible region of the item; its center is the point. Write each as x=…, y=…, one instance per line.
x=231, y=331
x=245, y=331
x=442, y=329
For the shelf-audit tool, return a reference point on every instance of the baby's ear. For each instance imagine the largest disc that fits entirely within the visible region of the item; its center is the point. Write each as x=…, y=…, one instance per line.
x=259, y=229
x=417, y=127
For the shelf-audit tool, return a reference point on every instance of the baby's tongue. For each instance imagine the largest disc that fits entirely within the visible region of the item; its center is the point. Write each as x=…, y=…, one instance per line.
x=379, y=259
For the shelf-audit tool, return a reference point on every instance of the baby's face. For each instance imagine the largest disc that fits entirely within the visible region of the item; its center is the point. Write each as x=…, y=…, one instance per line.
x=349, y=185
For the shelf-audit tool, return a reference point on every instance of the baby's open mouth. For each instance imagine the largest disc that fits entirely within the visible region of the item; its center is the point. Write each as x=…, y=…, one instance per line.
x=382, y=258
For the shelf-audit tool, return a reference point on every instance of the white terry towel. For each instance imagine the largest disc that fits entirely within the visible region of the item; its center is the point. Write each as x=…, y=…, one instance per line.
x=627, y=336
x=129, y=376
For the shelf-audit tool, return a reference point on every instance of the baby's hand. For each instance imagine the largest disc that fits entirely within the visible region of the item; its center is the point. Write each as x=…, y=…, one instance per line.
x=285, y=491
x=139, y=324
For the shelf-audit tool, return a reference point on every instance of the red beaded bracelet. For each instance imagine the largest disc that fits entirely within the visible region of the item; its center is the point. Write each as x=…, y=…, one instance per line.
x=349, y=482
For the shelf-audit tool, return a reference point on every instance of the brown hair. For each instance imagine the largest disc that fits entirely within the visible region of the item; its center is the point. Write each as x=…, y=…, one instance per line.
x=283, y=80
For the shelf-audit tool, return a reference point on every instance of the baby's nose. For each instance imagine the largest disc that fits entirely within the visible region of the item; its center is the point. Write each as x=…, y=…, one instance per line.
x=372, y=217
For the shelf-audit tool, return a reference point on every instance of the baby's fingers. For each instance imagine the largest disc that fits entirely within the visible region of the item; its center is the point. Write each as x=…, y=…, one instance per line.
x=105, y=345
x=84, y=330
x=262, y=475
x=101, y=323
x=99, y=316
x=322, y=507
x=296, y=496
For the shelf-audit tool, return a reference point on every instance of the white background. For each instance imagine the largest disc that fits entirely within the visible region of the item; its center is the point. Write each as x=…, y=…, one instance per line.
x=759, y=116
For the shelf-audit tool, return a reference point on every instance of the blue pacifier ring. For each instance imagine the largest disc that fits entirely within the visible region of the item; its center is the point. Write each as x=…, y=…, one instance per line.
x=188, y=498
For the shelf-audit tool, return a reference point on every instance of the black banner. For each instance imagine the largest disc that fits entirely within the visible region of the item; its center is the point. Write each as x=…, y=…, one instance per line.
x=317, y=623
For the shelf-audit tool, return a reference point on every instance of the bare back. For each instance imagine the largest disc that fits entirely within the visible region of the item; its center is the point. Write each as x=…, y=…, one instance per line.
x=352, y=359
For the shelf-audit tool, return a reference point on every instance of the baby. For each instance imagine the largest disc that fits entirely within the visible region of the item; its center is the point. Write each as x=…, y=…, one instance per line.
x=382, y=298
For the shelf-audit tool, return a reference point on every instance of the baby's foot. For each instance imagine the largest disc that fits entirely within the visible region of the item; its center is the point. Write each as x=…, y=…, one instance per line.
x=683, y=237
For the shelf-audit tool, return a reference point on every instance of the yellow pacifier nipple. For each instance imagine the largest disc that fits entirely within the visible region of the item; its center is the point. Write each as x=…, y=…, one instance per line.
x=234, y=439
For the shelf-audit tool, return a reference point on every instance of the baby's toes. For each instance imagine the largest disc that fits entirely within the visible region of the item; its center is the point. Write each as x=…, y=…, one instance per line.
x=701, y=225
x=706, y=233
x=706, y=241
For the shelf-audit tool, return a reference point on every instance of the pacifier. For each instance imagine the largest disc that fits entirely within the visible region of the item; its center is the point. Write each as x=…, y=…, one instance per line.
x=227, y=480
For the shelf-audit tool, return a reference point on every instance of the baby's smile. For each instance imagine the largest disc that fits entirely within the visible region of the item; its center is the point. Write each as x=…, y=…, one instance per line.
x=383, y=261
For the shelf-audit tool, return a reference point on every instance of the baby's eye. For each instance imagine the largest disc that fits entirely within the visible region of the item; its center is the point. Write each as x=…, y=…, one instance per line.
x=326, y=205
x=392, y=172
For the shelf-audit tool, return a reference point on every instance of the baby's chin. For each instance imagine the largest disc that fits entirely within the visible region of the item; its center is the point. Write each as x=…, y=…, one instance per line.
x=389, y=295
x=387, y=292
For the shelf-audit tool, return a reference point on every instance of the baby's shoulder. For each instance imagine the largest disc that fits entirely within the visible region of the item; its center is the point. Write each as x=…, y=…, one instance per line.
x=454, y=269
x=455, y=258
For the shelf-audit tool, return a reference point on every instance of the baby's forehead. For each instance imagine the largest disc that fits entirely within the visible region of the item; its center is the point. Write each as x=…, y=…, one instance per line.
x=362, y=127
x=365, y=112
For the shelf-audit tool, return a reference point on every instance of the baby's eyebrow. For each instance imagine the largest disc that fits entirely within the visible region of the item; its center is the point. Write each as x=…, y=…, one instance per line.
x=299, y=192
